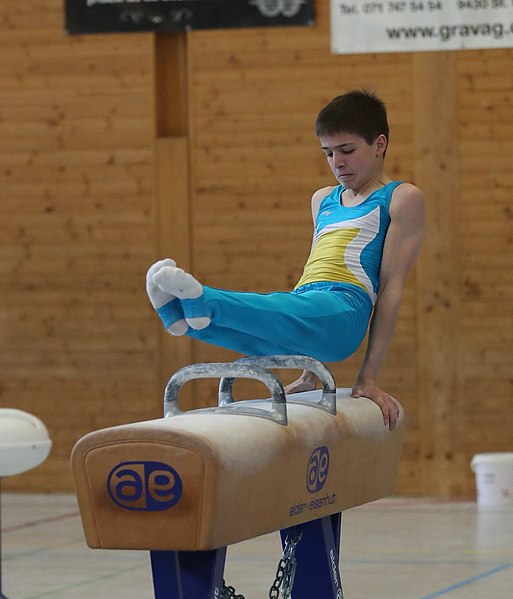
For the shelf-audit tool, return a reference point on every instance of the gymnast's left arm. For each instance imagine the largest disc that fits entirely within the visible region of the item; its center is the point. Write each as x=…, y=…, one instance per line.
x=402, y=245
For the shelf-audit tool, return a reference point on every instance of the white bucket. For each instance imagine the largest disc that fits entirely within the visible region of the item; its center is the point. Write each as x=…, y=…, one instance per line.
x=494, y=479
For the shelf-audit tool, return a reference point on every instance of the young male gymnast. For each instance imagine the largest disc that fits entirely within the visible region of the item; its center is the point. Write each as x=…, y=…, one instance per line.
x=367, y=233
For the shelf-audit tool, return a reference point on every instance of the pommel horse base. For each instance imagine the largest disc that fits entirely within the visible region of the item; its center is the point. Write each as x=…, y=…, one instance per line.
x=188, y=485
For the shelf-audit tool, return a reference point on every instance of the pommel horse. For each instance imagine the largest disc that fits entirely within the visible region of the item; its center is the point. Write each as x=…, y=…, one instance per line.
x=188, y=485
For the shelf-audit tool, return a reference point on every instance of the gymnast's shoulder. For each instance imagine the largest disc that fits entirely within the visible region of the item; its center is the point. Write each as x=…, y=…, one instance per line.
x=318, y=197
x=407, y=198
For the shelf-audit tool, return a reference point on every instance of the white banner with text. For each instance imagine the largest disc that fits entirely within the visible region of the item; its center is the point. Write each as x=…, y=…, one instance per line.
x=362, y=26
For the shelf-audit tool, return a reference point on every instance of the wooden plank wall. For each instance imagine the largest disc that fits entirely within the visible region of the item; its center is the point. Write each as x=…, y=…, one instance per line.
x=79, y=344
x=114, y=153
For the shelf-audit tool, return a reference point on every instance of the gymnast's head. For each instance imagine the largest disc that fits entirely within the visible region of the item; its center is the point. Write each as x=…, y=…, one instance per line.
x=359, y=112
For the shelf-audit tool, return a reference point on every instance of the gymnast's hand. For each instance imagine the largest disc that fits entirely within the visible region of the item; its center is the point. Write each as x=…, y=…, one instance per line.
x=387, y=404
x=306, y=382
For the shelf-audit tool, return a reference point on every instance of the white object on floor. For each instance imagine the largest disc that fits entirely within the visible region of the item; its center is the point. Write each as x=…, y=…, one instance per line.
x=24, y=441
x=494, y=479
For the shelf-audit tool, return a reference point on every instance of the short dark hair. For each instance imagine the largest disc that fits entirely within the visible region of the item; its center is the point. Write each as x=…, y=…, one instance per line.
x=359, y=111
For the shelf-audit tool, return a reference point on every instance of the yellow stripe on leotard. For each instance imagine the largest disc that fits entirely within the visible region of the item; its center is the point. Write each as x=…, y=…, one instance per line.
x=337, y=251
x=325, y=263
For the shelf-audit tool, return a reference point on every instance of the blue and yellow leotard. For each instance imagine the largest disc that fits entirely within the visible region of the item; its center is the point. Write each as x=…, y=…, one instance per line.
x=348, y=241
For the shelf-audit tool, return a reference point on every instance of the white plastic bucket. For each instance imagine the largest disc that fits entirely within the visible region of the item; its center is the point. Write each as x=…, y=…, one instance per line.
x=494, y=479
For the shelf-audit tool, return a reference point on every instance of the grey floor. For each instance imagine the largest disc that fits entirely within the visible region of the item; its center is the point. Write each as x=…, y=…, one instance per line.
x=391, y=549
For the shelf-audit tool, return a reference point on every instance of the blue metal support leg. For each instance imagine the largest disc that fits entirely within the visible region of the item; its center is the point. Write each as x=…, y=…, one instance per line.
x=336, y=524
x=167, y=583
x=317, y=555
x=188, y=574
x=199, y=574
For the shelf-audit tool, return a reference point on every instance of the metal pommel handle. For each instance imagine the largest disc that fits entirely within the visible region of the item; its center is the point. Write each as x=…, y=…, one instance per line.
x=327, y=401
x=232, y=370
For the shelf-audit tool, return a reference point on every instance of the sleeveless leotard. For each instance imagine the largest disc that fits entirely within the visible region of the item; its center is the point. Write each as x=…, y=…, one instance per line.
x=348, y=241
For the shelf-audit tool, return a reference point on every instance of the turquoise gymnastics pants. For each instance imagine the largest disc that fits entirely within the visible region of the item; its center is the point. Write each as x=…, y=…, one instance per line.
x=326, y=321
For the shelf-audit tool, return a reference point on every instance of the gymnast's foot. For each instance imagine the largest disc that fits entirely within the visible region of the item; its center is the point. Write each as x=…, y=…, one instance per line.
x=167, y=305
x=182, y=285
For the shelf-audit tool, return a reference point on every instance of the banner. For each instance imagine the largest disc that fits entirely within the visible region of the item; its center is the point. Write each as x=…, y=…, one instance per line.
x=359, y=26
x=110, y=16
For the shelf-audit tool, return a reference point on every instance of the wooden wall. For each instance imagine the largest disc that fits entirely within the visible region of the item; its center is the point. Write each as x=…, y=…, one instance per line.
x=78, y=346
x=119, y=149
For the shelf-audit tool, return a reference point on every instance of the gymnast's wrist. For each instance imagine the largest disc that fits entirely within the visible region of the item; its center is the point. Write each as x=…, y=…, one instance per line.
x=365, y=378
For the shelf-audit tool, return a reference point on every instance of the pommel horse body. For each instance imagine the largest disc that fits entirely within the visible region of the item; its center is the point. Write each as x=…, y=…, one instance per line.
x=188, y=485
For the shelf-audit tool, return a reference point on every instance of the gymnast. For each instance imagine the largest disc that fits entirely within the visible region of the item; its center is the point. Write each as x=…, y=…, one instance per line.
x=368, y=231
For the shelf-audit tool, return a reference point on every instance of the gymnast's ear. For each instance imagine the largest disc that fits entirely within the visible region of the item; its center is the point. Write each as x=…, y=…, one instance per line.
x=381, y=144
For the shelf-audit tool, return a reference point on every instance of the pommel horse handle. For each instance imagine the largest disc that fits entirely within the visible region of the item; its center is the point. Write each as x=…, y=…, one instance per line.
x=328, y=399
x=278, y=411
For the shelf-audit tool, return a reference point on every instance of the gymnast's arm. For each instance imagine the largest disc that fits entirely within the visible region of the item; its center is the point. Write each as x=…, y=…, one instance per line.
x=402, y=245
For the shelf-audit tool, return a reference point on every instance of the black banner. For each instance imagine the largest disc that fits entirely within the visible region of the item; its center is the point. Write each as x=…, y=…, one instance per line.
x=112, y=16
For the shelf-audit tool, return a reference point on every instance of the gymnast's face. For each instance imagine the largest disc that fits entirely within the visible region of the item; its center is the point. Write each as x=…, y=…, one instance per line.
x=353, y=161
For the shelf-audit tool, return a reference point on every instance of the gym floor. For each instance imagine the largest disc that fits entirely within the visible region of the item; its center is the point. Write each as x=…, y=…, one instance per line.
x=391, y=549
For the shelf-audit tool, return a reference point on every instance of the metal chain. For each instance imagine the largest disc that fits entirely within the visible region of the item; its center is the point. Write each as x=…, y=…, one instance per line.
x=286, y=570
x=229, y=592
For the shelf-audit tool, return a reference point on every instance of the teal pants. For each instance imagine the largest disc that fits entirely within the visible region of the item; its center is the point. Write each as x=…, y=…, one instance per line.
x=326, y=321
